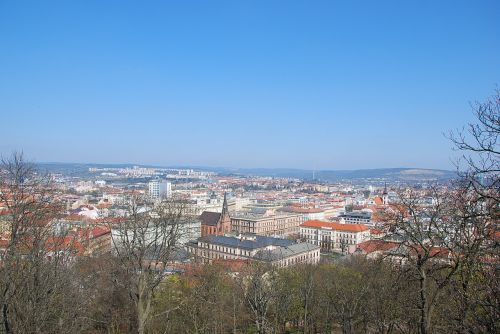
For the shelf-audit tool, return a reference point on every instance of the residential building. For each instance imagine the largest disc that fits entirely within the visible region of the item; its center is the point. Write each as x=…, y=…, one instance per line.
x=307, y=213
x=159, y=189
x=356, y=217
x=268, y=225
x=333, y=236
x=237, y=204
x=96, y=240
x=276, y=251
x=188, y=230
x=374, y=248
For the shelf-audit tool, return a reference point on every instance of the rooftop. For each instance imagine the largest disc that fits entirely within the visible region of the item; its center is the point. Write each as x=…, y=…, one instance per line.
x=256, y=216
x=357, y=214
x=335, y=226
x=209, y=218
x=247, y=241
x=284, y=252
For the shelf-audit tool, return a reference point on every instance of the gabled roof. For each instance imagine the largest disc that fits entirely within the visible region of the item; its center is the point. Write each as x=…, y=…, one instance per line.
x=335, y=226
x=209, y=218
x=371, y=246
x=248, y=242
x=285, y=251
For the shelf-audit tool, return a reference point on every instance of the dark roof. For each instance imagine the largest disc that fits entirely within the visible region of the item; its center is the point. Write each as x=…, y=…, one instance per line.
x=209, y=218
x=247, y=242
x=284, y=252
x=357, y=214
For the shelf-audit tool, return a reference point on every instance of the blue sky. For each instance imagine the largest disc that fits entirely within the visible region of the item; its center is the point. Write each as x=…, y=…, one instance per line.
x=304, y=84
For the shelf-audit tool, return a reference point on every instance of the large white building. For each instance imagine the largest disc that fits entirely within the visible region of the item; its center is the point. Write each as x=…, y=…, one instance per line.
x=159, y=189
x=333, y=236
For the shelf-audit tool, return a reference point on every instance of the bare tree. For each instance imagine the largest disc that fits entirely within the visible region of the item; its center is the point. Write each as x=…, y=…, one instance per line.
x=477, y=203
x=256, y=285
x=146, y=243
x=384, y=285
x=478, y=141
x=36, y=285
x=285, y=307
x=474, y=252
x=109, y=309
x=438, y=241
x=346, y=292
x=209, y=303
x=306, y=293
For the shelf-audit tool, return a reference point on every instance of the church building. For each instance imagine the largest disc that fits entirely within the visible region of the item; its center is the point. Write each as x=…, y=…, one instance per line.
x=214, y=223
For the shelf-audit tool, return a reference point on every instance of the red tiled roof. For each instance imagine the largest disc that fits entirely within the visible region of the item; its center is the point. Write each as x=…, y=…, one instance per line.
x=306, y=210
x=335, y=226
x=371, y=246
x=103, y=205
x=4, y=243
x=376, y=231
x=99, y=231
x=434, y=251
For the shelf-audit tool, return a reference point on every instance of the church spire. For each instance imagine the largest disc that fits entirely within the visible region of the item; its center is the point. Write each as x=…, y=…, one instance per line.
x=224, y=224
x=385, y=195
x=224, y=205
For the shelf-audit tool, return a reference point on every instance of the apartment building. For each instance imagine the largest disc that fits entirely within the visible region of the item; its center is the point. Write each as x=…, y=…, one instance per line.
x=267, y=225
x=356, y=217
x=159, y=189
x=333, y=236
x=276, y=251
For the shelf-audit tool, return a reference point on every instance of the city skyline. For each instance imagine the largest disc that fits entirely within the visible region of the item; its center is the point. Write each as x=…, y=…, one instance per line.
x=267, y=166
x=323, y=86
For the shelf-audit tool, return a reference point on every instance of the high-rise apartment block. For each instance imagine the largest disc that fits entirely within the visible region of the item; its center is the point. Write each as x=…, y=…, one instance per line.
x=159, y=189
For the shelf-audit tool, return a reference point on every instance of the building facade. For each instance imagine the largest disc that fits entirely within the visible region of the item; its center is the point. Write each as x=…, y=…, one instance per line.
x=356, y=217
x=159, y=189
x=275, y=251
x=281, y=225
x=214, y=223
x=333, y=236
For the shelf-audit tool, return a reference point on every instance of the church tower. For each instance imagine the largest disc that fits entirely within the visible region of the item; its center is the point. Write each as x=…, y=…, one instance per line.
x=225, y=219
x=385, y=195
x=215, y=223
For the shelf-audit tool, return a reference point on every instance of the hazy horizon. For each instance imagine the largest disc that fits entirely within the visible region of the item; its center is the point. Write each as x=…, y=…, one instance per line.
x=225, y=167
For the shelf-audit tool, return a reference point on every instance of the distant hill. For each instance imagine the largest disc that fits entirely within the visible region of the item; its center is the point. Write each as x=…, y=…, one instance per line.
x=382, y=174
x=387, y=174
x=74, y=169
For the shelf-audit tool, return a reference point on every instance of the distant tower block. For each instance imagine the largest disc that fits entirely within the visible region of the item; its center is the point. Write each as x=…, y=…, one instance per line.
x=159, y=189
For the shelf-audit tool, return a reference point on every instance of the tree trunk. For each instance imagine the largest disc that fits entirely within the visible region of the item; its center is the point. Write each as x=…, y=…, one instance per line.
x=6, y=323
x=423, y=305
x=258, y=325
x=143, y=307
x=141, y=317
